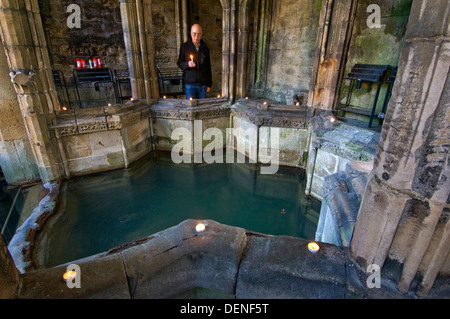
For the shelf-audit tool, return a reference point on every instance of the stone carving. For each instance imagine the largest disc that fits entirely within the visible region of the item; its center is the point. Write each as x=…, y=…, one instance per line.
x=92, y=127
x=190, y=113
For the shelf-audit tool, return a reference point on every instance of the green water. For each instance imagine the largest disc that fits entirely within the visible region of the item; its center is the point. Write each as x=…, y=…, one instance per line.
x=102, y=211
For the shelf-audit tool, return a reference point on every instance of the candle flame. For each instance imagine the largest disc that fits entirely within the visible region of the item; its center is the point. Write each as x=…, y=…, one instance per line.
x=70, y=275
x=313, y=247
x=200, y=227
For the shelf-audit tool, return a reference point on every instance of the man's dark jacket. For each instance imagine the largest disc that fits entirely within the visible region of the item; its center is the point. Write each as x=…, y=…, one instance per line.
x=201, y=74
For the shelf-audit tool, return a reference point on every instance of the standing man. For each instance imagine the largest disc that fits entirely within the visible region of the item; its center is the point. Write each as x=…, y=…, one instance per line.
x=194, y=60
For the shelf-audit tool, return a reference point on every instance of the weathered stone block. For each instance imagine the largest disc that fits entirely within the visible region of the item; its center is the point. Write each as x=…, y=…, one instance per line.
x=100, y=279
x=77, y=146
x=102, y=143
x=180, y=259
x=282, y=267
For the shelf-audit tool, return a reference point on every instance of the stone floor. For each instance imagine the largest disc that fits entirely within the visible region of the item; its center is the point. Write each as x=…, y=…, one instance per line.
x=220, y=262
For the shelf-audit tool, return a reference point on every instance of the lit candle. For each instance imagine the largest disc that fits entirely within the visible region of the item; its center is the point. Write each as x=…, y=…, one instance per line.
x=332, y=120
x=164, y=96
x=265, y=103
x=200, y=227
x=191, y=98
x=109, y=104
x=218, y=95
x=192, y=58
x=313, y=247
x=68, y=276
x=64, y=108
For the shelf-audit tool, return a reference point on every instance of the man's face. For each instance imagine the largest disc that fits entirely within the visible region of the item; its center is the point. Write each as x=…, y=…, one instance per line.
x=196, y=34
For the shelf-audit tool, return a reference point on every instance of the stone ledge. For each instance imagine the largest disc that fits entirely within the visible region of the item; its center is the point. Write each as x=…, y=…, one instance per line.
x=223, y=260
x=288, y=116
x=114, y=117
x=189, y=111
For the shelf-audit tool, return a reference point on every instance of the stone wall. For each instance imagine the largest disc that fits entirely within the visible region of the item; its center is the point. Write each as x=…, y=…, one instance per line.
x=100, y=35
x=375, y=46
x=165, y=28
x=292, y=43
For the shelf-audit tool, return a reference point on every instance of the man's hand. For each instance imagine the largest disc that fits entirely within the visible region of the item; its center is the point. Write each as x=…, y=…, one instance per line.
x=208, y=89
x=191, y=64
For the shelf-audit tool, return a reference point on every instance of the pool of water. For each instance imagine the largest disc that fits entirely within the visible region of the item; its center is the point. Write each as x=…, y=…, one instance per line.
x=101, y=211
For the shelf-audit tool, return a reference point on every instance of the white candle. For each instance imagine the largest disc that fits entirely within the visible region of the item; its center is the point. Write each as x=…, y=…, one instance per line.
x=200, y=227
x=313, y=247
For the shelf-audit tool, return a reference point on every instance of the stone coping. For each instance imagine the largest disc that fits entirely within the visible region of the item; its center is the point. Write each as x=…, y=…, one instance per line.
x=275, y=115
x=351, y=142
x=116, y=117
x=229, y=261
x=113, y=117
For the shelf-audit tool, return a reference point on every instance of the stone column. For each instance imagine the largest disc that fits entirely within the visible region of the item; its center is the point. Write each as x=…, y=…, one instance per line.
x=30, y=70
x=185, y=21
x=404, y=215
x=16, y=155
x=139, y=37
x=265, y=9
x=9, y=275
x=335, y=29
x=243, y=49
x=226, y=48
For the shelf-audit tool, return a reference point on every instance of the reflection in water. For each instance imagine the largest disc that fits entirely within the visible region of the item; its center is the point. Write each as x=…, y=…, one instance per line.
x=104, y=210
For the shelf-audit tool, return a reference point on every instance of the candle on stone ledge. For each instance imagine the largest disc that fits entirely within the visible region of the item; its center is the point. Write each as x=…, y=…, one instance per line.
x=200, y=227
x=68, y=276
x=313, y=247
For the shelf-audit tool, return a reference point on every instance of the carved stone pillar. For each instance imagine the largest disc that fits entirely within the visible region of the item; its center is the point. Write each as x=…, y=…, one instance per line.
x=335, y=29
x=16, y=155
x=139, y=44
x=229, y=47
x=30, y=70
x=404, y=215
x=243, y=48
